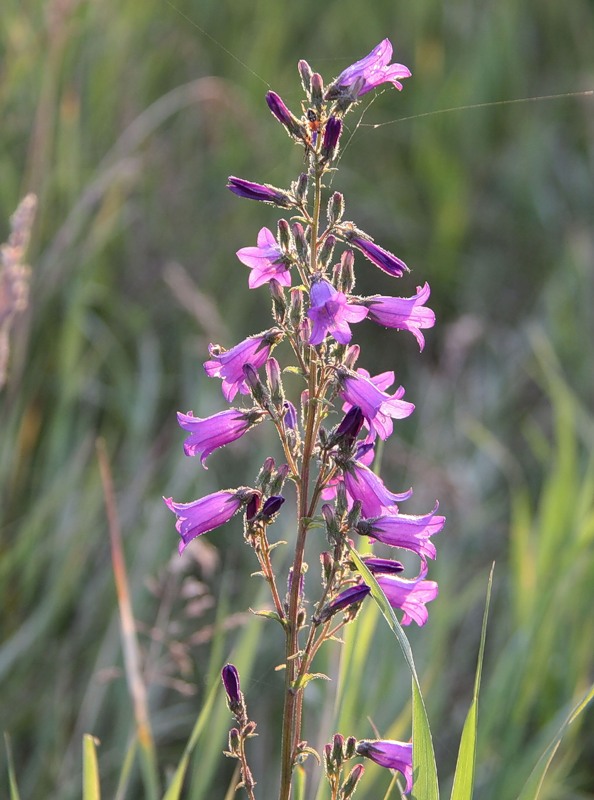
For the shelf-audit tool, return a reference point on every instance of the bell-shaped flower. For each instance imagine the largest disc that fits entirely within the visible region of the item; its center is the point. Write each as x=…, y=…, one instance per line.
x=331, y=313
x=383, y=259
x=207, y=513
x=403, y=313
x=377, y=406
x=409, y=595
x=370, y=72
x=229, y=364
x=390, y=754
x=368, y=488
x=405, y=530
x=266, y=261
x=209, y=433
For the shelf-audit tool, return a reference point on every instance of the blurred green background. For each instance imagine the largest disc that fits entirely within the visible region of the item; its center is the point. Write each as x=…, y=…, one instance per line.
x=126, y=119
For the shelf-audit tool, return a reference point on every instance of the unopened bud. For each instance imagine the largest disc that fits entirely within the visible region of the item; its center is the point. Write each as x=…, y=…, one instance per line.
x=265, y=475
x=317, y=89
x=252, y=507
x=335, y=207
x=305, y=73
x=326, y=250
x=354, y=515
x=257, y=388
x=300, y=187
x=341, y=499
x=230, y=678
x=296, y=308
x=351, y=356
x=351, y=783
x=337, y=748
x=271, y=508
x=278, y=479
x=332, y=132
x=327, y=566
x=349, y=600
x=234, y=741
x=301, y=245
x=332, y=526
x=288, y=120
x=279, y=303
x=344, y=274
x=284, y=235
x=275, y=385
x=350, y=427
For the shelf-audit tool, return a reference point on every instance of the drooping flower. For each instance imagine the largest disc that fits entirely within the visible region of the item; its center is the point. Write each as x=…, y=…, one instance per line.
x=364, y=485
x=207, y=513
x=294, y=127
x=378, y=407
x=390, y=754
x=331, y=313
x=209, y=433
x=383, y=259
x=266, y=261
x=403, y=313
x=409, y=595
x=229, y=364
x=405, y=530
x=263, y=192
x=370, y=72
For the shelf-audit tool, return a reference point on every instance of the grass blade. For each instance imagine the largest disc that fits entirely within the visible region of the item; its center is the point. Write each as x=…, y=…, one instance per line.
x=534, y=783
x=465, y=765
x=14, y=789
x=91, y=790
x=425, y=785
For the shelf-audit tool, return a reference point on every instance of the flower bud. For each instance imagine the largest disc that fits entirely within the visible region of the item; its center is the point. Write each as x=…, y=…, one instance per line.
x=350, y=427
x=335, y=207
x=351, y=356
x=341, y=499
x=349, y=747
x=275, y=384
x=337, y=748
x=305, y=73
x=265, y=475
x=344, y=274
x=252, y=507
x=259, y=191
x=290, y=415
x=230, y=678
x=332, y=523
x=327, y=565
x=317, y=89
x=301, y=245
x=350, y=785
x=279, y=303
x=296, y=308
x=271, y=508
x=349, y=600
x=278, y=479
x=332, y=131
x=354, y=515
x=234, y=742
x=256, y=387
x=326, y=250
x=299, y=187
x=293, y=126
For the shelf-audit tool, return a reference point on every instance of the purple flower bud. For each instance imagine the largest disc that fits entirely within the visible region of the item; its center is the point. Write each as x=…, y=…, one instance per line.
x=259, y=191
x=275, y=384
x=300, y=242
x=252, y=507
x=279, y=303
x=296, y=308
x=336, y=209
x=350, y=427
x=290, y=415
x=351, y=598
x=383, y=259
x=337, y=748
x=317, y=89
x=284, y=116
x=271, y=507
x=349, y=786
x=300, y=186
x=255, y=385
x=383, y=566
x=278, y=479
x=332, y=131
x=230, y=678
x=351, y=356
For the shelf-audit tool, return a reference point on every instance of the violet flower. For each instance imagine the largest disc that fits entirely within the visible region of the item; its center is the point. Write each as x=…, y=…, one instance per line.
x=229, y=364
x=383, y=259
x=378, y=407
x=371, y=71
x=209, y=433
x=390, y=754
x=263, y=192
x=405, y=530
x=230, y=678
x=331, y=313
x=409, y=595
x=403, y=313
x=332, y=131
x=284, y=116
x=266, y=261
x=207, y=513
x=383, y=566
x=364, y=485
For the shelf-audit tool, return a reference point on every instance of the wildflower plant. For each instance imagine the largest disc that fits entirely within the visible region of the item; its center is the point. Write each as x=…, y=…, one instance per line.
x=327, y=434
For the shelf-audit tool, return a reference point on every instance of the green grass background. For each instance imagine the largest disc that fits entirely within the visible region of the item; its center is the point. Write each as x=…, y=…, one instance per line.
x=126, y=119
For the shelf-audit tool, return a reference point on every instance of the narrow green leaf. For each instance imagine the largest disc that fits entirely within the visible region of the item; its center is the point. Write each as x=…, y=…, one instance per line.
x=14, y=789
x=465, y=765
x=91, y=790
x=299, y=782
x=534, y=783
x=425, y=786
x=309, y=676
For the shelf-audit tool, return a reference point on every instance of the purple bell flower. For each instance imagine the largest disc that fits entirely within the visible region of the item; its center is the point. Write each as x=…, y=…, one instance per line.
x=210, y=433
x=403, y=313
x=378, y=407
x=364, y=485
x=330, y=313
x=409, y=595
x=266, y=261
x=229, y=364
x=390, y=754
x=207, y=513
x=371, y=71
x=406, y=531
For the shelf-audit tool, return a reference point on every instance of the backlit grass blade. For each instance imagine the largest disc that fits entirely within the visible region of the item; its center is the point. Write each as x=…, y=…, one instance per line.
x=14, y=789
x=91, y=790
x=465, y=765
x=425, y=786
x=534, y=783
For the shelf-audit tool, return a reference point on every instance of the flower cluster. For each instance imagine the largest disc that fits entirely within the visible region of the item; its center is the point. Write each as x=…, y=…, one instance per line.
x=308, y=266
